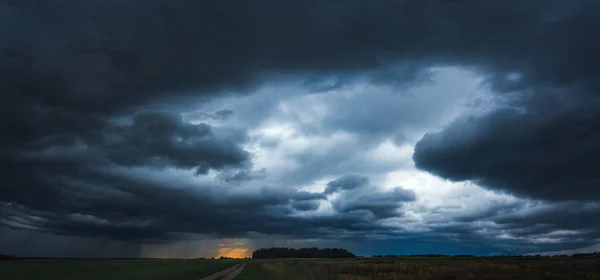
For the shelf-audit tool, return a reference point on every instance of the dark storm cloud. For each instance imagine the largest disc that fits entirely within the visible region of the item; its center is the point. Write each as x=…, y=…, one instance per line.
x=164, y=139
x=27, y=243
x=69, y=70
x=379, y=203
x=533, y=226
x=307, y=205
x=237, y=177
x=135, y=207
x=104, y=56
x=38, y=173
x=356, y=194
x=223, y=114
x=552, y=154
x=513, y=227
x=555, y=218
x=540, y=140
x=161, y=214
x=346, y=182
x=220, y=115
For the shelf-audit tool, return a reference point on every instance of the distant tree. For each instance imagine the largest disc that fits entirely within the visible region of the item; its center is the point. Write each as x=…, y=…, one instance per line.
x=313, y=252
x=429, y=255
x=585, y=255
x=7, y=257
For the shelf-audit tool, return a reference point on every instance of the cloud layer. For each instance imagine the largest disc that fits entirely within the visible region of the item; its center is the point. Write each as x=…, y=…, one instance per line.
x=151, y=121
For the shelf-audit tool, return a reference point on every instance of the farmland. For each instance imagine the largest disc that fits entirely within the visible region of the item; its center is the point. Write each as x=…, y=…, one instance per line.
x=111, y=269
x=416, y=268
x=424, y=269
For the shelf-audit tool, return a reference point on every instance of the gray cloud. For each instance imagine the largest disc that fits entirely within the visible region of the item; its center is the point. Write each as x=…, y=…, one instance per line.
x=166, y=140
x=347, y=182
x=220, y=115
x=71, y=70
x=133, y=209
x=555, y=218
x=516, y=227
x=223, y=114
x=137, y=207
x=380, y=204
x=28, y=243
x=112, y=50
x=306, y=205
x=550, y=154
x=356, y=194
x=241, y=176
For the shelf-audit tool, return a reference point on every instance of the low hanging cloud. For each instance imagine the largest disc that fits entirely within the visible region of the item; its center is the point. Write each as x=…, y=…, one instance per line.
x=355, y=194
x=347, y=182
x=142, y=209
x=94, y=91
x=165, y=140
x=549, y=154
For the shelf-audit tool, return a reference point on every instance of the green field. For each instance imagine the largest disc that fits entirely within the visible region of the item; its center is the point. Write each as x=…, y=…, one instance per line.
x=316, y=269
x=423, y=269
x=111, y=269
x=252, y=271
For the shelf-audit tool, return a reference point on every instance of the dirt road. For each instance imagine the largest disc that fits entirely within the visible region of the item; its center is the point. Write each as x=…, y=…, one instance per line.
x=227, y=274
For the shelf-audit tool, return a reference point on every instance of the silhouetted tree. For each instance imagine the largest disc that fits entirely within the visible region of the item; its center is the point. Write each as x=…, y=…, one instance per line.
x=585, y=255
x=7, y=257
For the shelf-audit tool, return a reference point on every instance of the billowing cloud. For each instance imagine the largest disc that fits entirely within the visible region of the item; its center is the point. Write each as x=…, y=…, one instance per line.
x=164, y=139
x=549, y=155
x=355, y=194
x=153, y=121
x=347, y=182
x=306, y=205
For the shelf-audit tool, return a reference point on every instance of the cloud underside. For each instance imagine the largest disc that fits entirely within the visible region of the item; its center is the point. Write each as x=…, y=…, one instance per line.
x=136, y=207
x=91, y=114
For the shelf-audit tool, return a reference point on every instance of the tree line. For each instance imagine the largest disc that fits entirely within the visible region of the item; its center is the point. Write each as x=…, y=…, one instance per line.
x=313, y=252
x=423, y=256
x=579, y=255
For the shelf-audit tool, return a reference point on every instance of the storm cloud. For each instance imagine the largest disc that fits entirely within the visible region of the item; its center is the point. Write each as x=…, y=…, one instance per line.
x=548, y=155
x=356, y=194
x=151, y=121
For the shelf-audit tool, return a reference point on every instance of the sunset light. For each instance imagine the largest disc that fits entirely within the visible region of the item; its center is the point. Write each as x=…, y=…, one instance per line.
x=237, y=253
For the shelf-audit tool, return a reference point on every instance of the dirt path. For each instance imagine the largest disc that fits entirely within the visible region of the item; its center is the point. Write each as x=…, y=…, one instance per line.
x=227, y=274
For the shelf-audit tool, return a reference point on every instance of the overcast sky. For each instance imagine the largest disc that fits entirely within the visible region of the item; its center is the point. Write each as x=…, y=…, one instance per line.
x=151, y=128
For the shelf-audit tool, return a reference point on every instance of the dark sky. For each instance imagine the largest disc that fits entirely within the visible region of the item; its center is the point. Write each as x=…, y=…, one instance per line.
x=181, y=128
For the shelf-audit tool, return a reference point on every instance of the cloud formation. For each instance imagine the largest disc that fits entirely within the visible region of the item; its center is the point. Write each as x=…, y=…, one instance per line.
x=141, y=207
x=105, y=132
x=548, y=155
x=354, y=194
x=165, y=140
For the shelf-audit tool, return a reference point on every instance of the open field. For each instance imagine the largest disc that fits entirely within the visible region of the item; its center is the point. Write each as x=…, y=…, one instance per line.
x=315, y=269
x=252, y=271
x=111, y=269
x=424, y=269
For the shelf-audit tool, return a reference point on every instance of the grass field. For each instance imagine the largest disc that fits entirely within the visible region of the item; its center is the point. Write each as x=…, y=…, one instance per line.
x=424, y=269
x=315, y=269
x=111, y=269
x=252, y=271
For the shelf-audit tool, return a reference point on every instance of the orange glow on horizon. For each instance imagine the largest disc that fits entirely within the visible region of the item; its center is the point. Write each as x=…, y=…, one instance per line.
x=238, y=253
